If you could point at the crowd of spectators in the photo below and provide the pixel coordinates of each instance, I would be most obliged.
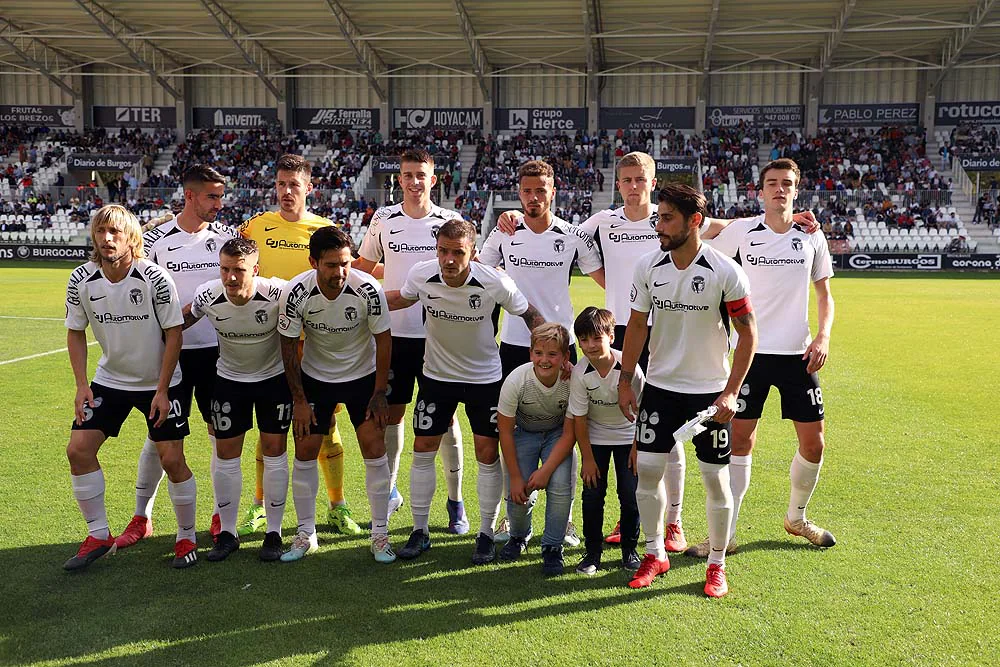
(498, 158)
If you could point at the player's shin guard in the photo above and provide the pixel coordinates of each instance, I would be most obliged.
(305, 486)
(184, 496)
(394, 442)
(804, 476)
(377, 486)
(331, 460)
(739, 482)
(258, 493)
(718, 509)
(674, 482)
(275, 490)
(147, 479)
(88, 489)
(423, 480)
(227, 481)
(489, 486)
(451, 457)
(651, 497)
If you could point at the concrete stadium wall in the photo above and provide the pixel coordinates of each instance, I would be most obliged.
(217, 89)
(878, 82)
(341, 92)
(541, 87)
(756, 84)
(435, 87)
(131, 90)
(28, 89)
(967, 84)
(648, 86)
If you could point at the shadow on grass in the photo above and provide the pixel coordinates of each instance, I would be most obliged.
(133, 608)
(775, 545)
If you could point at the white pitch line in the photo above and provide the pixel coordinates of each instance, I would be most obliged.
(40, 354)
(18, 317)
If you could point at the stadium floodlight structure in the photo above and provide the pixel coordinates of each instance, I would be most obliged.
(146, 55)
(480, 65)
(255, 55)
(961, 38)
(369, 61)
(35, 53)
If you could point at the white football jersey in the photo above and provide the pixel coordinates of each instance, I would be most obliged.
(339, 334)
(399, 242)
(689, 339)
(533, 406)
(128, 319)
(249, 350)
(621, 243)
(540, 264)
(461, 341)
(191, 259)
(596, 398)
(781, 269)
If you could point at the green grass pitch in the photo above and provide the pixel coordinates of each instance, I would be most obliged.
(909, 487)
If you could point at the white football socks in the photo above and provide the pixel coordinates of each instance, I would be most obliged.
(718, 509)
(88, 489)
(423, 482)
(275, 490)
(377, 486)
(489, 486)
(184, 496)
(804, 477)
(394, 442)
(213, 463)
(451, 458)
(227, 482)
(147, 479)
(651, 497)
(674, 483)
(305, 486)
(739, 482)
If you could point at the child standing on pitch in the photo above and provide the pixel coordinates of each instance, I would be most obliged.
(603, 433)
(534, 427)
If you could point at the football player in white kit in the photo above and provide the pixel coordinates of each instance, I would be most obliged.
(696, 292)
(187, 247)
(345, 359)
(132, 307)
(400, 235)
(461, 365)
(782, 260)
(243, 307)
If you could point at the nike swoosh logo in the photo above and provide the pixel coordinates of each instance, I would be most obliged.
(431, 296)
(754, 245)
(313, 312)
(269, 229)
(617, 225)
(221, 505)
(395, 231)
(222, 319)
(528, 402)
(277, 504)
(176, 247)
(802, 507)
(98, 298)
(459, 470)
(592, 388)
(517, 242)
(656, 284)
(180, 424)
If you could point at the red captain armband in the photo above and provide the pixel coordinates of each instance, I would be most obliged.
(740, 307)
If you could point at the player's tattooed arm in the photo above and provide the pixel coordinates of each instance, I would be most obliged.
(532, 317)
(302, 413)
(396, 300)
(746, 327)
(189, 318)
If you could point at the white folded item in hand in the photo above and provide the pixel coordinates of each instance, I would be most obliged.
(694, 426)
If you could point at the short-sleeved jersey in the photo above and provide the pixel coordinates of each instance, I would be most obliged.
(339, 333)
(532, 405)
(461, 343)
(596, 398)
(191, 259)
(249, 350)
(689, 339)
(540, 264)
(284, 246)
(781, 269)
(399, 242)
(128, 319)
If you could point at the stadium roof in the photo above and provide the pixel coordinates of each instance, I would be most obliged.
(491, 39)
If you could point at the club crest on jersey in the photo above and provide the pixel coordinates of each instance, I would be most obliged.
(350, 313)
(653, 219)
(797, 244)
(633, 294)
(261, 316)
(135, 296)
(475, 301)
(698, 284)
(210, 245)
(434, 230)
(558, 245)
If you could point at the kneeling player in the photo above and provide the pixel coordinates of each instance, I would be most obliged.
(533, 425)
(243, 308)
(131, 304)
(345, 359)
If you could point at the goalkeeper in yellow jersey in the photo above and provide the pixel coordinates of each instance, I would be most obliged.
(283, 239)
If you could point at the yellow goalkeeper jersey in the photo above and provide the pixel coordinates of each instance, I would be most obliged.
(284, 246)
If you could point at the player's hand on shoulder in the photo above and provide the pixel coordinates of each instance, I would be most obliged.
(807, 221)
(507, 222)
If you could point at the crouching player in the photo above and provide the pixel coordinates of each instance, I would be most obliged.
(534, 427)
(604, 434)
(243, 308)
